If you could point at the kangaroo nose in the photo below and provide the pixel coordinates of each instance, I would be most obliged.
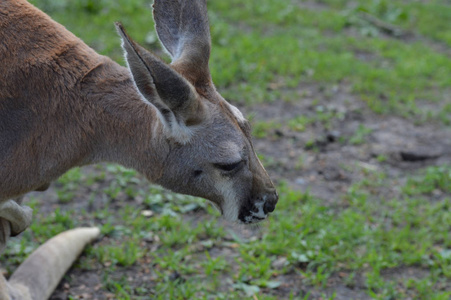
(270, 203)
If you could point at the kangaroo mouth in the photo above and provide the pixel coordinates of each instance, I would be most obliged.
(252, 213)
(248, 213)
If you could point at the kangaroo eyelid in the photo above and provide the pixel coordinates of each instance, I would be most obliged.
(228, 167)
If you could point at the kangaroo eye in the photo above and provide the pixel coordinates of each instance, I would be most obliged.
(229, 167)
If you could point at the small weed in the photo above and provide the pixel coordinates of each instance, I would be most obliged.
(54, 223)
(124, 255)
(68, 184)
(360, 135)
(212, 266)
(300, 162)
(299, 123)
(263, 129)
(435, 178)
(381, 158)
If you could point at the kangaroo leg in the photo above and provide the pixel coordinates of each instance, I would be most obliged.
(19, 216)
(14, 219)
(5, 233)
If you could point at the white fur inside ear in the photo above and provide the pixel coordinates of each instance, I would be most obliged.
(172, 128)
(180, 132)
(237, 113)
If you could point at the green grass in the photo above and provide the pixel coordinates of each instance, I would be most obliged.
(366, 236)
(262, 52)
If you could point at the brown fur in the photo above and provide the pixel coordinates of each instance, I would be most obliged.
(58, 100)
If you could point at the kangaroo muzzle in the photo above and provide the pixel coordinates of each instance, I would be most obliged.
(257, 209)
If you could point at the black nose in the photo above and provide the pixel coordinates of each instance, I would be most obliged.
(270, 203)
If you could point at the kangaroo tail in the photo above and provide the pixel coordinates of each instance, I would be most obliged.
(40, 273)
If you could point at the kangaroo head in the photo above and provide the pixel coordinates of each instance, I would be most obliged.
(210, 152)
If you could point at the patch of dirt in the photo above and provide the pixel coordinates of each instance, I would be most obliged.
(325, 159)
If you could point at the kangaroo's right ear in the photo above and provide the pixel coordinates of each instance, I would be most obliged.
(159, 84)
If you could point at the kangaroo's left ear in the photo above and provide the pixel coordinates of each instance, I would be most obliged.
(173, 96)
(183, 29)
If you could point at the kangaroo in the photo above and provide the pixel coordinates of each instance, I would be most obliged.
(63, 105)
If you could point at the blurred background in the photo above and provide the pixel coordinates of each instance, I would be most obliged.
(350, 103)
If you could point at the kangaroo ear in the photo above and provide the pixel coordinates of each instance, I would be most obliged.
(183, 29)
(159, 84)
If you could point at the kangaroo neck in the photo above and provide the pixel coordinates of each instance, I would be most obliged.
(127, 127)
